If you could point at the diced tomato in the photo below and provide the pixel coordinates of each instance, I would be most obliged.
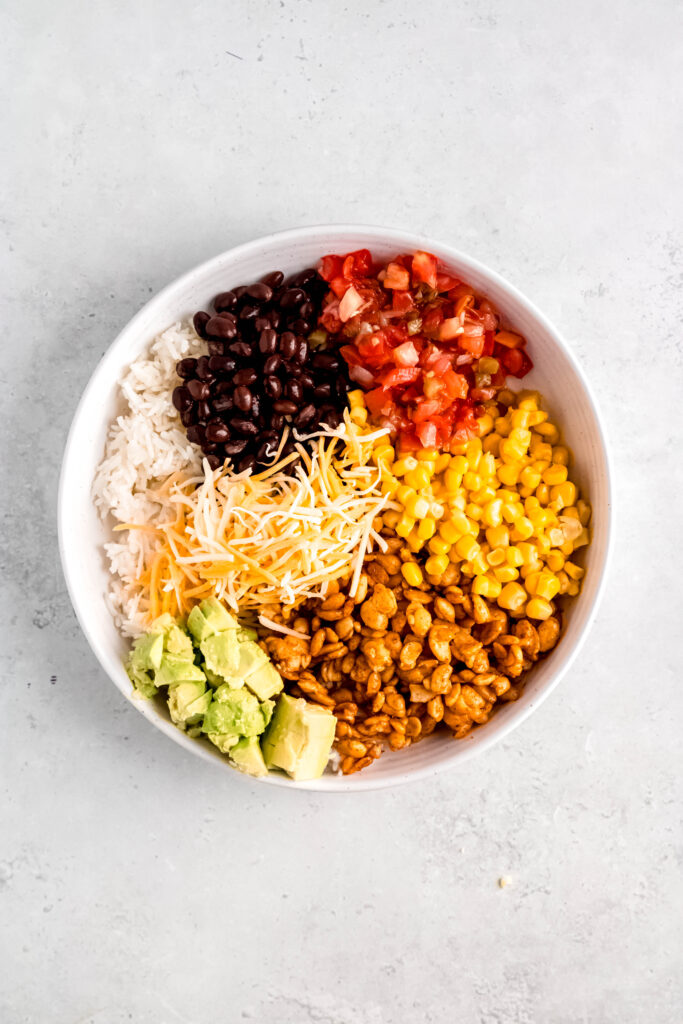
(406, 354)
(351, 304)
(431, 322)
(424, 267)
(402, 302)
(427, 434)
(444, 282)
(397, 277)
(331, 267)
(516, 362)
(399, 375)
(374, 349)
(455, 384)
(426, 409)
(473, 343)
(378, 401)
(450, 328)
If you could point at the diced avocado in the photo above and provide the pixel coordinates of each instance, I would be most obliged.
(147, 652)
(208, 618)
(162, 623)
(188, 702)
(176, 641)
(235, 711)
(231, 659)
(265, 681)
(174, 669)
(142, 681)
(247, 756)
(212, 677)
(244, 633)
(224, 741)
(299, 738)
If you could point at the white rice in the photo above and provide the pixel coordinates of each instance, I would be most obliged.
(144, 446)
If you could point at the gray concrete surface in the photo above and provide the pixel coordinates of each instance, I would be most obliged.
(139, 884)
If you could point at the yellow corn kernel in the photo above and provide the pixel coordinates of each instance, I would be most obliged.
(412, 574)
(555, 560)
(555, 474)
(457, 502)
(467, 547)
(564, 581)
(547, 585)
(574, 571)
(436, 565)
(474, 511)
(573, 589)
(549, 431)
(512, 512)
(502, 425)
(385, 453)
(529, 552)
(514, 557)
(584, 512)
(541, 451)
(508, 473)
(473, 452)
(530, 477)
(426, 528)
(510, 452)
(471, 481)
(520, 436)
(539, 608)
(523, 529)
(459, 464)
(453, 555)
(359, 415)
(528, 400)
(507, 397)
(496, 557)
(492, 514)
(356, 399)
(404, 525)
(460, 522)
(582, 539)
(560, 455)
(531, 581)
(543, 544)
(403, 466)
(419, 478)
(486, 587)
(506, 573)
(479, 564)
(567, 548)
(438, 546)
(452, 480)
(512, 597)
(437, 509)
(519, 419)
(492, 444)
(388, 486)
(405, 493)
(498, 536)
(531, 502)
(414, 542)
(536, 417)
(427, 455)
(485, 423)
(443, 461)
(418, 507)
(449, 532)
(391, 519)
(487, 466)
(543, 494)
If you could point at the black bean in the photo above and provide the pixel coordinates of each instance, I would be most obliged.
(224, 301)
(272, 365)
(300, 326)
(306, 380)
(307, 310)
(209, 447)
(188, 417)
(294, 391)
(195, 434)
(277, 422)
(203, 411)
(275, 317)
(246, 376)
(249, 312)
(248, 462)
(198, 389)
(267, 342)
(256, 408)
(284, 407)
(243, 398)
(274, 279)
(304, 276)
(241, 349)
(186, 368)
(291, 298)
(216, 348)
(243, 426)
(217, 432)
(239, 291)
(214, 461)
(221, 364)
(262, 455)
(203, 369)
(261, 323)
(272, 387)
(235, 447)
(199, 321)
(287, 344)
(223, 403)
(305, 416)
(182, 399)
(325, 361)
(223, 387)
(260, 291)
(221, 327)
(301, 354)
(322, 392)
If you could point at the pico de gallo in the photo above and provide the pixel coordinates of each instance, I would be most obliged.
(425, 348)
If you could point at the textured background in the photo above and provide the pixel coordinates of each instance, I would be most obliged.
(138, 883)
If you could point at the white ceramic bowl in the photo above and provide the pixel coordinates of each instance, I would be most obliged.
(556, 374)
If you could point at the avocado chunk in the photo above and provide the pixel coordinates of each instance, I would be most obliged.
(176, 641)
(299, 738)
(142, 682)
(228, 657)
(188, 702)
(265, 681)
(208, 618)
(247, 757)
(175, 669)
(147, 652)
(236, 711)
(224, 741)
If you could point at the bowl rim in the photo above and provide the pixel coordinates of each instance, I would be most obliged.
(463, 753)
